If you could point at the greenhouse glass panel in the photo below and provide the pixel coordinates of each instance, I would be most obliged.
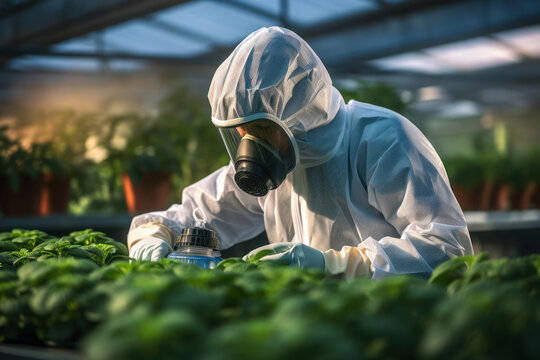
(474, 54)
(525, 40)
(139, 37)
(415, 62)
(224, 23)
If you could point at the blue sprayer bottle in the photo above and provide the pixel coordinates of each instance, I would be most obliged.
(197, 245)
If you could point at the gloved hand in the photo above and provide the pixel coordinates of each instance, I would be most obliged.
(292, 254)
(150, 248)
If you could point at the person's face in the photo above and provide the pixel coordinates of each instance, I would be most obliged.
(268, 132)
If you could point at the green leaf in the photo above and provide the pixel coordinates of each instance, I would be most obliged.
(240, 267)
(449, 271)
(23, 241)
(95, 252)
(228, 262)
(39, 272)
(48, 245)
(77, 252)
(7, 236)
(455, 269)
(261, 254)
(118, 258)
(7, 246)
(49, 299)
(6, 276)
(81, 232)
(7, 259)
(120, 249)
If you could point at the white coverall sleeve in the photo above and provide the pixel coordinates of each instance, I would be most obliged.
(233, 214)
(407, 183)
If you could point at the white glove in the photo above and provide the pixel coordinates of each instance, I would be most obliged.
(150, 248)
(351, 261)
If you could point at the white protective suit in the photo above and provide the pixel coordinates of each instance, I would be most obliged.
(368, 190)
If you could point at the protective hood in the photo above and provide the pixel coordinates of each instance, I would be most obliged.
(273, 74)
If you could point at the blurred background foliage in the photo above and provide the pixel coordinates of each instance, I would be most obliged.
(376, 93)
(94, 149)
(176, 137)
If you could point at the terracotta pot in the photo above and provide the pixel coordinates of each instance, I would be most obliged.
(484, 196)
(502, 197)
(149, 194)
(463, 196)
(25, 201)
(524, 198)
(477, 198)
(55, 195)
(536, 197)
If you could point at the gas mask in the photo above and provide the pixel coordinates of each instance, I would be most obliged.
(262, 155)
(259, 167)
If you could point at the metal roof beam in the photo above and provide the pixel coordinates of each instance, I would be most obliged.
(50, 21)
(431, 25)
(347, 43)
(8, 8)
(178, 30)
(251, 8)
(109, 55)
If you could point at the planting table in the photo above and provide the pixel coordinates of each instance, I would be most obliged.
(505, 233)
(26, 352)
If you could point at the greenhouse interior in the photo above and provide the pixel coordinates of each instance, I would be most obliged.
(131, 227)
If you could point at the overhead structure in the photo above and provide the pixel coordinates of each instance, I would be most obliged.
(42, 23)
(442, 39)
(374, 30)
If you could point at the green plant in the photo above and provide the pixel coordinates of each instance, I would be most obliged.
(71, 138)
(376, 93)
(179, 139)
(150, 145)
(67, 131)
(529, 164)
(17, 161)
(20, 247)
(473, 170)
(202, 147)
(514, 170)
(504, 170)
(465, 171)
(472, 307)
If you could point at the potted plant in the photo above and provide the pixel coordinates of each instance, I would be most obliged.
(534, 173)
(23, 173)
(505, 177)
(377, 93)
(200, 144)
(62, 134)
(173, 148)
(143, 151)
(56, 181)
(527, 195)
(71, 131)
(469, 180)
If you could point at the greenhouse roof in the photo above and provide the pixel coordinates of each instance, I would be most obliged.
(495, 41)
(388, 35)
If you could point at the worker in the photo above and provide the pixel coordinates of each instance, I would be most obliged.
(352, 189)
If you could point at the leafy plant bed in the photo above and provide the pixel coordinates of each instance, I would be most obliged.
(471, 308)
(20, 247)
